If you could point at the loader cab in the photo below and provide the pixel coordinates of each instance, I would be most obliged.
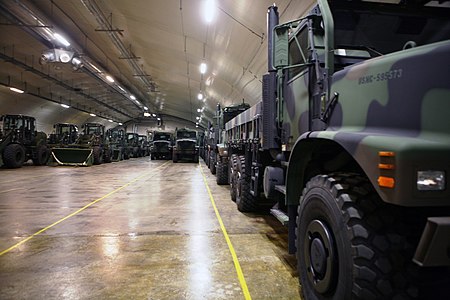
(23, 127)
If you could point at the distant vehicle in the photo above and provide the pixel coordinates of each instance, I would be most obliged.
(161, 146)
(118, 143)
(63, 134)
(134, 148)
(145, 147)
(185, 147)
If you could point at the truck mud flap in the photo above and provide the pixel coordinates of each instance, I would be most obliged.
(434, 245)
(72, 156)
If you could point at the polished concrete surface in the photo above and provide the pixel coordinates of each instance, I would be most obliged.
(136, 229)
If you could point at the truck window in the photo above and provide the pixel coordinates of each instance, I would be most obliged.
(298, 52)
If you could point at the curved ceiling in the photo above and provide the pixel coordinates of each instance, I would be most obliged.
(151, 49)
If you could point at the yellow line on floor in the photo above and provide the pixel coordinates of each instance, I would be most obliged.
(78, 211)
(237, 265)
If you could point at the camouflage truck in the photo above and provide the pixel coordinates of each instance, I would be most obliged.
(185, 146)
(351, 143)
(161, 146)
(217, 150)
(20, 141)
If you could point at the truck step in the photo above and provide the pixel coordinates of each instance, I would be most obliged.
(281, 189)
(280, 215)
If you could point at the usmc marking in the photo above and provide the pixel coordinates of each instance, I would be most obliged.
(388, 75)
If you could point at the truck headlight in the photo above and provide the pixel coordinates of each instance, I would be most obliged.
(430, 180)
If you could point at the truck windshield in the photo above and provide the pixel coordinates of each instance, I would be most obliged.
(388, 27)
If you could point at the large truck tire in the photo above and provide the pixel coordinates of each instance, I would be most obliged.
(232, 171)
(41, 156)
(351, 245)
(244, 199)
(212, 162)
(107, 157)
(222, 173)
(14, 156)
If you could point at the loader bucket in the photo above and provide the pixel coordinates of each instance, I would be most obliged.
(72, 156)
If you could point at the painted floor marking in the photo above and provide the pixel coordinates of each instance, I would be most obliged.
(79, 210)
(237, 265)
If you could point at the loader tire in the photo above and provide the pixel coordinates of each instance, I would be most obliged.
(41, 156)
(212, 163)
(98, 157)
(222, 173)
(14, 156)
(244, 199)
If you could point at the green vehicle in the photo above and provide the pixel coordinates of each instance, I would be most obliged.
(20, 142)
(134, 147)
(63, 134)
(118, 143)
(91, 147)
(185, 147)
(351, 144)
(161, 146)
(217, 150)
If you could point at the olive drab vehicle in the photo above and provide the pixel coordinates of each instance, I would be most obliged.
(20, 142)
(145, 147)
(91, 147)
(351, 142)
(185, 146)
(134, 147)
(117, 143)
(63, 134)
(161, 146)
(217, 150)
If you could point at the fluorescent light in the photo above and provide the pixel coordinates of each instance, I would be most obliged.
(200, 96)
(120, 123)
(146, 114)
(61, 39)
(209, 10)
(199, 110)
(16, 90)
(153, 115)
(159, 119)
(203, 68)
(65, 105)
(109, 78)
(132, 97)
(110, 120)
(92, 115)
(145, 108)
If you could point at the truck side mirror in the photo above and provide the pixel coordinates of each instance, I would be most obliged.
(280, 47)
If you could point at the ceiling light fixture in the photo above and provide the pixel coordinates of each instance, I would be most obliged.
(209, 10)
(199, 110)
(145, 108)
(203, 68)
(146, 114)
(109, 78)
(16, 90)
(64, 105)
(61, 39)
(153, 115)
(120, 124)
(200, 96)
(132, 97)
(92, 115)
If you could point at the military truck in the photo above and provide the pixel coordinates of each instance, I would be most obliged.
(185, 146)
(20, 142)
(161, 146)
(217, 150)
(91, 147)
(351, 143)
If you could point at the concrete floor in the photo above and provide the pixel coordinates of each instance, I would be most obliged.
(136, 229)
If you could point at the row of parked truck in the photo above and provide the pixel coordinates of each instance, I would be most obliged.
(67, 145)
